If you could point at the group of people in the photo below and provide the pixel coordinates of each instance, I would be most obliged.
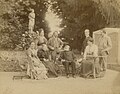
(95, 56)
(44, 56)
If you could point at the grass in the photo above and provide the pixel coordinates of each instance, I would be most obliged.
(10, 61)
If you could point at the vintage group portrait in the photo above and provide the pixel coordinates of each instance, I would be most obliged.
(59, 46)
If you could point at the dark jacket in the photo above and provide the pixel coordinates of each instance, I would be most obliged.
(68, 56)
(85, 44)
(43, 54)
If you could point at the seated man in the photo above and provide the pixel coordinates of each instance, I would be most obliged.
(55, 45)
(68, 57)
(44, 56)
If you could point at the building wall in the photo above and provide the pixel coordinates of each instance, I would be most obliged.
(119, 48)
(113, 56)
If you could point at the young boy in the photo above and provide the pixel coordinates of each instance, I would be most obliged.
(68, 57)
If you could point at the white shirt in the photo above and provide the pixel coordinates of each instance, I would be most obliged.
(91, 50)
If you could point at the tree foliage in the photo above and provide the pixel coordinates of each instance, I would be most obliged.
(16, 19)
(77, 16)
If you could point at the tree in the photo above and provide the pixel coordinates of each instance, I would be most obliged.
(79, 15)
(76, 15)
(17, 21)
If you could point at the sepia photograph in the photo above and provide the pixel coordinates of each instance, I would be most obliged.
(59, 46)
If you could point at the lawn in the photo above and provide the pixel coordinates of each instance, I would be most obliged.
(10, 61)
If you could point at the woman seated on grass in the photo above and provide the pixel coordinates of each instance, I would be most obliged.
(90, 60)
(36, 69)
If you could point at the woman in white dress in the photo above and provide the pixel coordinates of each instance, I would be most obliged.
(90, 60)
(36, 69)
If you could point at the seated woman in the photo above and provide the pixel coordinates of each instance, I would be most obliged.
(44, 56)
(36, 69)
(41, 38)
(90, 60)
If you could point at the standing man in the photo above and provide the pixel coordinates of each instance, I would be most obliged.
(87, 37)
(104, 45)
(55, 45)
(31, 21)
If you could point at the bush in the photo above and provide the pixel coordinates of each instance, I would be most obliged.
(9, 66)
(11, 61)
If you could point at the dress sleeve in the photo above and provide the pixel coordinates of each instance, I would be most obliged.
(85, 52)
(28, 52)
(49, 42)
(45, 40)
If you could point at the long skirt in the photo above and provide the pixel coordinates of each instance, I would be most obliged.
(88, 65)
(36, 69)
(52, 69)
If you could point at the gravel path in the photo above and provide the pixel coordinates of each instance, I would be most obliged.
(110, 84)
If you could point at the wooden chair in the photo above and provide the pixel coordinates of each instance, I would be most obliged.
(94, 67)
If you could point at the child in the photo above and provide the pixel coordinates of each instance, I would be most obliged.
(69, 58)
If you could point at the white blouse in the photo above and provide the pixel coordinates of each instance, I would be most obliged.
(91, 50)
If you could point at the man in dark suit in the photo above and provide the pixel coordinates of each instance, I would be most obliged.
(87, 37)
